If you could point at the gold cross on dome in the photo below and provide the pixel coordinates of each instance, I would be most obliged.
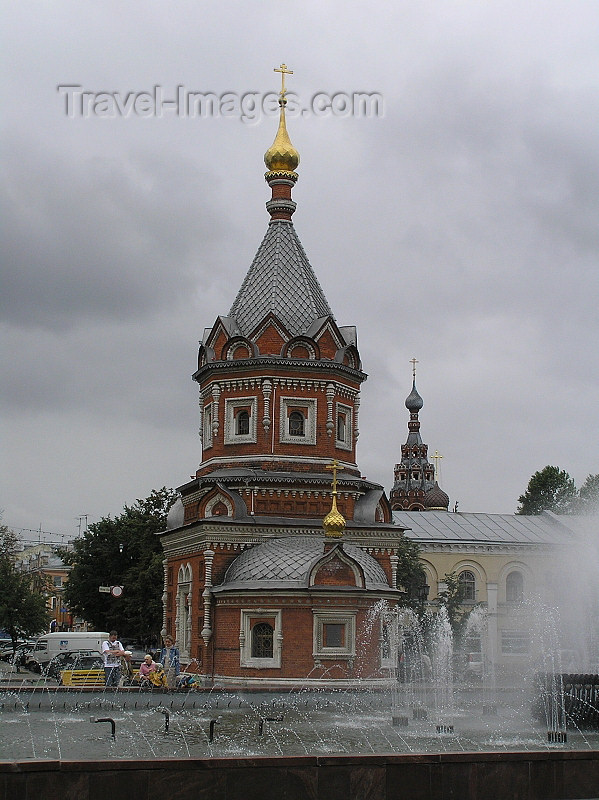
(334, 465)
(413, 362)
(436, 458)
(284, 71)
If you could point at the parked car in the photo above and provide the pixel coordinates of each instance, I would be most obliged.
(22, 654)
(73, 659)
(23, 648)
(50, 645)
(6, 651)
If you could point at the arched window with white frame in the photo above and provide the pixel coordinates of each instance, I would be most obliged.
(514, 587)
(183, 619)
(467, 583)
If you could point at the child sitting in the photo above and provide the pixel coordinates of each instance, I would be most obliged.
(151, 673)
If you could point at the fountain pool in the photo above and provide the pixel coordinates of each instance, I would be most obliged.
(61, 724)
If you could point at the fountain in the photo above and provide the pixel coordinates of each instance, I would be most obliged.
(424, 710)
(540, 724)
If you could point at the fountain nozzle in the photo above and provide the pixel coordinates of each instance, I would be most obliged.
(106, 719)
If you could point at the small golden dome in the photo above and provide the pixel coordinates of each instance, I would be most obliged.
(334, 522)
(281, 155)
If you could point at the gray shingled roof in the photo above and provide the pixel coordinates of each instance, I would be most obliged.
(280, 280)
(443, 526)
(286, 563)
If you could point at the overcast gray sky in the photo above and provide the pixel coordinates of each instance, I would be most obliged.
(460, 228)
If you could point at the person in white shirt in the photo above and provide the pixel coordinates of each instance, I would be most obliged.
(112, 650)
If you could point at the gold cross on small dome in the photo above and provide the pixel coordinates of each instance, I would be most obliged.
(334, 466)
(436, 458)
(334, 522)
(284, 71)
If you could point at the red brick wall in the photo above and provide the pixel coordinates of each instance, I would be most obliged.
(222, 656)
(335, 573)
(328, 346)
(325, 446)
(297, 660)
(270, 341)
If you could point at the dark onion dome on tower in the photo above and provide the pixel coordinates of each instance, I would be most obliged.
(436, 499)
(413, 401)
(414, 476)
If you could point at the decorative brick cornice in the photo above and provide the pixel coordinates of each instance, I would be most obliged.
(234, 536)
(263, 475)
(291, 365)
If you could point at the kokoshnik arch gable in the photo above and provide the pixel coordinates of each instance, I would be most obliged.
(253, 590)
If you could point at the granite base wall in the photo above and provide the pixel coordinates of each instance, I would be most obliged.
(548, 775)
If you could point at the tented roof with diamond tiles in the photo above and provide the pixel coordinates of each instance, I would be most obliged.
(280, 280)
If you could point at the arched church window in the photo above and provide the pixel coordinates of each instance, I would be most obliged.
(514, 587)
(262, 640)
(296, 423)
(341, 428)
(468, 584)
(242, 423)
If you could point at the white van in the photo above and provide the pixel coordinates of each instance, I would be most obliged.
(51, 644)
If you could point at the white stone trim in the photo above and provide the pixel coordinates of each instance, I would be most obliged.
(305, 343)
(215, 401)
(271, 321)
(347, 443)
(266, 393)
(218, 498)
(245, 638)
(310, 404)
(322, 618)
(234, 347)
(268, 456)
(345, 559)
(206, 595)
(356, 412)
(184, 605)
(206, 425)
(231, 404)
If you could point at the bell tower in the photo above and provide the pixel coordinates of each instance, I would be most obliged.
(279, 381)
(415, 487)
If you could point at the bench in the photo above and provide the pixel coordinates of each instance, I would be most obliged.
(82, 677)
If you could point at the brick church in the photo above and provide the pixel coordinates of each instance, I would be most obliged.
(278, 549)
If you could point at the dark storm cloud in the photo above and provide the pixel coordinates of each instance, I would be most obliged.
(113, 236)
(459, 228)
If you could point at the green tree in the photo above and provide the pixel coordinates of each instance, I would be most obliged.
(23, 611)
(551, 489)
(122, 551)
(451, 598)
(411, 575)
(588, 498)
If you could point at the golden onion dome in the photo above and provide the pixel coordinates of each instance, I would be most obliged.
(334, 522)
(281, 155)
